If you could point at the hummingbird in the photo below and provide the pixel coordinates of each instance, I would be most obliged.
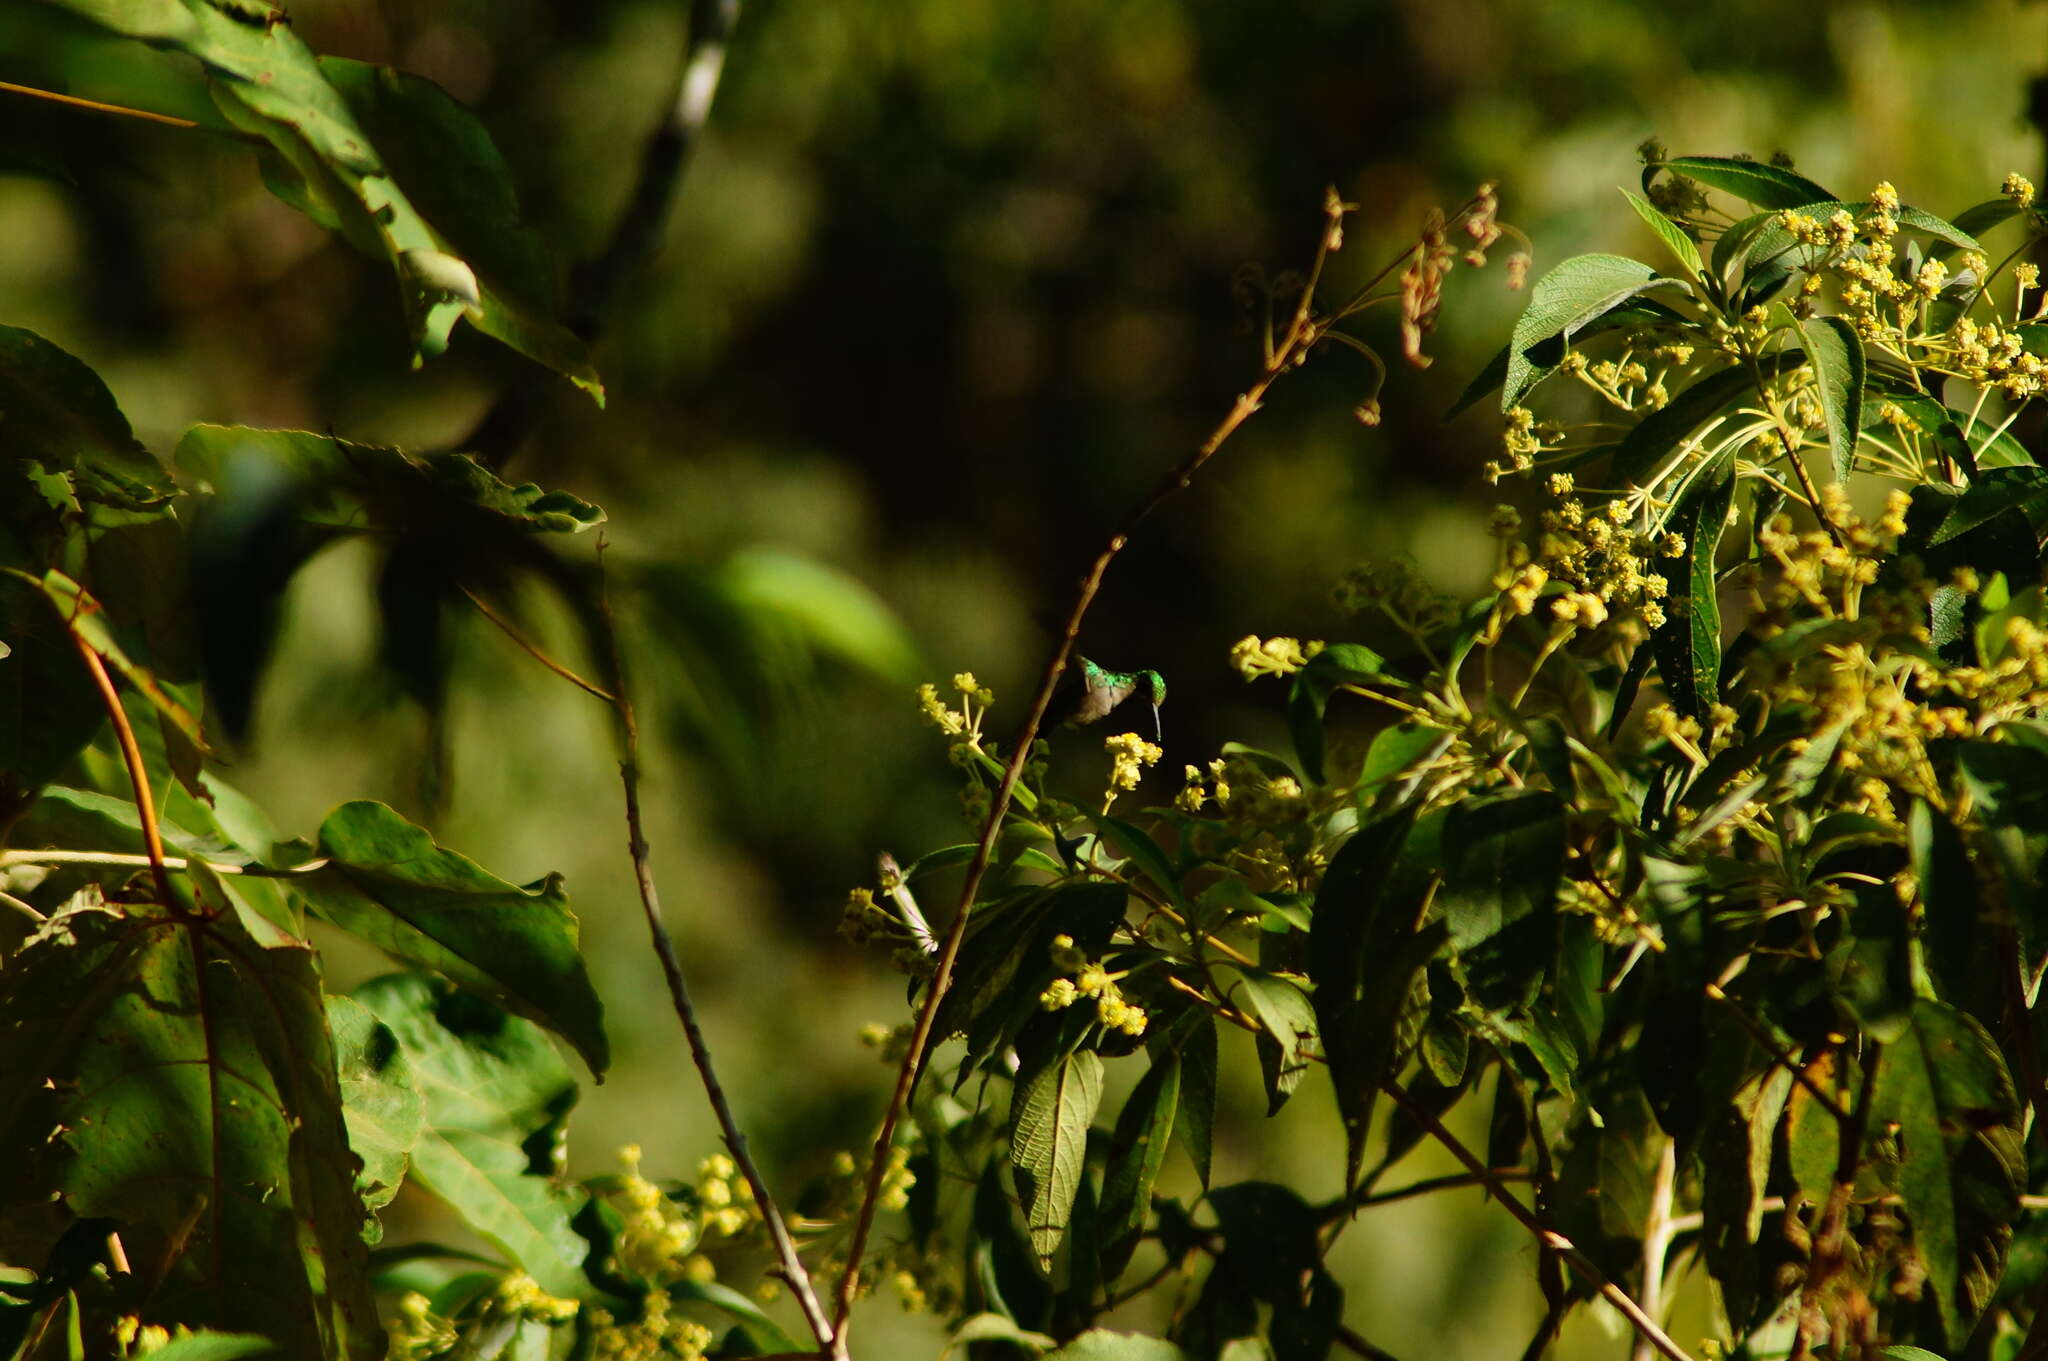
(1089, 692)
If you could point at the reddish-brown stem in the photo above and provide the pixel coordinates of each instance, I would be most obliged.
(138, 774)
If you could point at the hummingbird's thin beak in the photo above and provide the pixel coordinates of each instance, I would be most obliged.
(1158, 733)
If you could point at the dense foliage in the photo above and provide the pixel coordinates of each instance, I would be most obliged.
(1703, 854)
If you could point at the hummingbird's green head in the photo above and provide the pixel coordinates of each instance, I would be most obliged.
(1155, 690)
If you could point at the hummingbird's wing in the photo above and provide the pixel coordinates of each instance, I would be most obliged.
(1090, 693)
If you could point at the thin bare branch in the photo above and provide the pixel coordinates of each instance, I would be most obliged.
(791, 1267)
(95, 106)
(533, 649)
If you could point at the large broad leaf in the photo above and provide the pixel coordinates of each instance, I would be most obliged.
(1137, 1151)
(388, 160)
(189, 1073)
(388, 882)
(1962, 1165)
(496, 1094)
(1501, 856)
(367, 486)
(63, 423)
(1836, 353)
(1050, 1113)
(1688, 645)
(1363, 954)
(382, 1106)
(1571, 296)
(1767, 186)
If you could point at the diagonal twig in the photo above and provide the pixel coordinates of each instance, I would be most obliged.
(790, 1264)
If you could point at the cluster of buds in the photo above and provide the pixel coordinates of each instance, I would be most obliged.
(1129, 755)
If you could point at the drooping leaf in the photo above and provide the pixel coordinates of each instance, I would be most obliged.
(1767, 186)
(62, 422)
(1688, 644)
(1961, 1165)
(1542, 358)
(388, 160)
(1050, 1114)
(496, 1094)
(1197, 1105)
(388, 882)
(1137, 1151)
(1836, 353)
(382, 1106)
(190, 1071)
(1364, 952)
(1735, 1160)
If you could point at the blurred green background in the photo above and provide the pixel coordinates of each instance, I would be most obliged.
(949, 283)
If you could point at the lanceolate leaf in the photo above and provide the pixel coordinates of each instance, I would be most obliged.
(1051, 1110)
(1659, 435)
(1669, 232)
(1568, 298)
(1197, 1104)
(1767, 186)
(388, 882)
(1364, 952)
(1961, 1166)
(496, 1095)
(1287, 1044)
(1688, 645)
(1137, 1151)
(1836, 353)
(191, 1073)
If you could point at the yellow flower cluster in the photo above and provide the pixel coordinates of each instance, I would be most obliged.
(1193, 796)
(1129, 754)
(1992, 356)
(655, 1334)
(1606, 563)
(1254, 657)
(1090, 980)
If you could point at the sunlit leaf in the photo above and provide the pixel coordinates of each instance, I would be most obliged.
(1049, 1118)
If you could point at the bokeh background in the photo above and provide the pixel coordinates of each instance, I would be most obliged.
(949, 283)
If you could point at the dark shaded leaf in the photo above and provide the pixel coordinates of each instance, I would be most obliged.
(1288, 1039)
(1767, 186)
(1501, 855)
(1836, 353)
(1688, 644)
(1137, 1150)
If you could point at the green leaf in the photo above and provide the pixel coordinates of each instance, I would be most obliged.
(1735, 1160)
(389, 883)
(1990, 493)
(1287, 1045)
(189, 1071)
(1836, 353)
(1543, 358)
(383, 1109)
(2009, 785)
(388, 160)
(214, 1347)
(1328, 671)
(1908, 1354)
(1364, 954)
(723, 1297)
(830, 610)
(1144, 852)
(1054, 1104)
(1767, 186)
(1103, 1344)
(347, 485)
(496, 1095)
(1670, 233)
(445, 160)
(1688, 645)
(1564, 301)
(1501, 856)
(62, 421)
(1197, 1104)
(1962, 1165)
(1137, 1150)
